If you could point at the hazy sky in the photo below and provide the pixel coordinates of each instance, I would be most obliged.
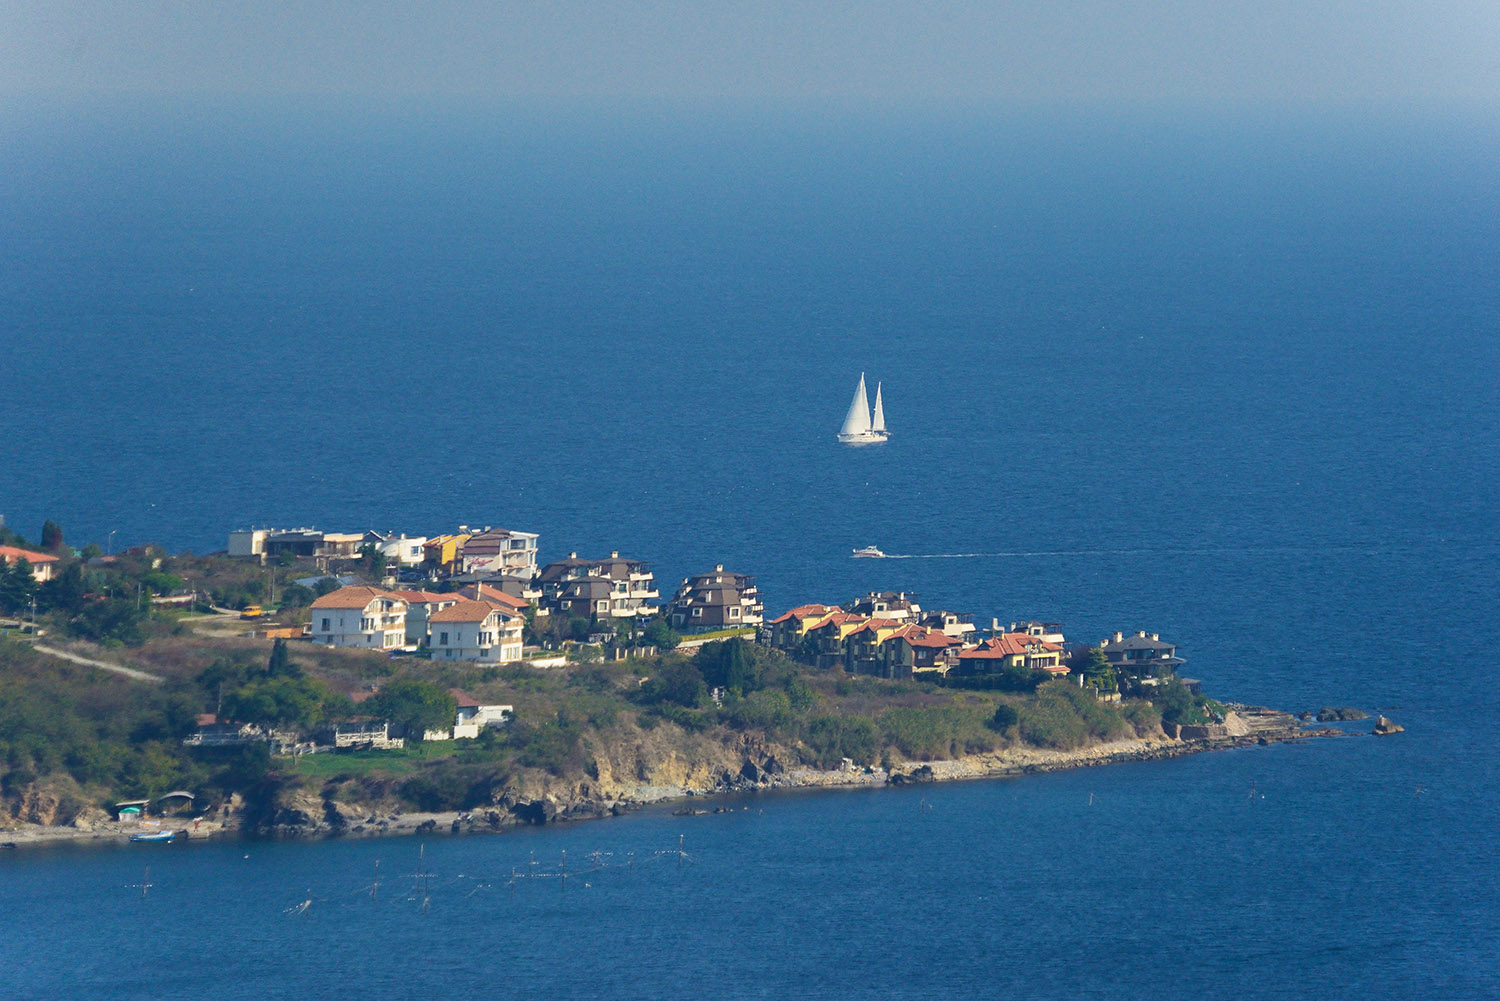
(1316, 51)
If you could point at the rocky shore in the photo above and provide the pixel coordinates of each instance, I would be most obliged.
(303, 814)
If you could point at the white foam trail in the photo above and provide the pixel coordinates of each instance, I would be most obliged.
(1152, 551)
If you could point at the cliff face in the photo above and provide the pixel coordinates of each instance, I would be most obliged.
(54, 801)
(620, 770)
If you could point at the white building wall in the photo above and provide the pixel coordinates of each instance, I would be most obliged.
(247, 542)
(346, 627)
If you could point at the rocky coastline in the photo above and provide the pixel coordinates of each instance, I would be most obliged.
(303, 815)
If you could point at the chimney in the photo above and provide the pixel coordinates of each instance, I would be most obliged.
(994, 625)
(614, 554)
(1156, 637)
(718, 568)
(572, 556)
(1140, 634)
(1119, 637)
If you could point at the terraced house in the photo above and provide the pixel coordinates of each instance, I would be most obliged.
(718, 600)
(615, 587)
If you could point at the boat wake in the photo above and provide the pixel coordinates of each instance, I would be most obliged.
(1149, 551)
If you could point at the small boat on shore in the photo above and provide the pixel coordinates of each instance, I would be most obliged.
(154, 836)
(869, 553)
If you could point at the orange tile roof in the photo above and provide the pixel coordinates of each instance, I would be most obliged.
(495, 596)
(805, 612)
(355, 596)
(423, 597)
(467, 610)
(923, 636)
(8, 553)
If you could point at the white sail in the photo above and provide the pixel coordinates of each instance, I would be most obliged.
(878, 424)
(858, 421)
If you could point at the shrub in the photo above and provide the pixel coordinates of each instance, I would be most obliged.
(1143, 717)
(1064, 716)
(766, 709)
(1005, 717)
(830, 739)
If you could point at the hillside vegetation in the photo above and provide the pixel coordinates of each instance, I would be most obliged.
(74, 740)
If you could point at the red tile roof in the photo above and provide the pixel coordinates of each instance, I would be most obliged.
(355, 596)
(922, 636)
(805, 612)
(423, 597)
(495, 596)
(8, 553)
(467, 610)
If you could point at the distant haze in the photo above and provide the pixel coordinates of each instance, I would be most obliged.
(1335, 52)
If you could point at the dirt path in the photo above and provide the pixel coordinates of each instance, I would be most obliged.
(102, 665)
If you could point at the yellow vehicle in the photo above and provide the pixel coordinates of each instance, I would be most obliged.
(253, 612)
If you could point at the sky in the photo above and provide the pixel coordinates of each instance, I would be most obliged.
(1329, 52)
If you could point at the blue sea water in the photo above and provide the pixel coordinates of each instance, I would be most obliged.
(1227, 378)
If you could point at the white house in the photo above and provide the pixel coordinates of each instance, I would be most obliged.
(475, 630)
(419, 608)
(472, 716)
(399, 550)
(499, 550)
(359, 616)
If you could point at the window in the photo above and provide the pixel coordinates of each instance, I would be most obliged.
(326, 627)
(734, 611)
(697, 613)
(442, 639)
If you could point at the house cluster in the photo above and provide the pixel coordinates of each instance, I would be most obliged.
(489, 579)
(888, 635)
(349, 733)
(497, 580)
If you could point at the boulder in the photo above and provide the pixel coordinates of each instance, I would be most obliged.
(1385, 727)
(772, 766)
(537, 811)
(751, 771)
(1330, 715)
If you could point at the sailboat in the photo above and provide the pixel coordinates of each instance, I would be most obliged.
(860, 426)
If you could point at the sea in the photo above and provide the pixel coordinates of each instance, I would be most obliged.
(1228, 375)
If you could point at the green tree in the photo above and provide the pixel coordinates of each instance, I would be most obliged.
(63, 593)
(281, 702)
(1098, 673)
(1005, 717)
(297, 596)
(52, 537)
(659, 633)
(372, 561)
(1177, 703)
(280, 664)
(677, 681)
(728, 664)
(16, 585)
(414, 707)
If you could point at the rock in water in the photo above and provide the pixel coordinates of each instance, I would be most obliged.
(1384, 727)
(1330, 715)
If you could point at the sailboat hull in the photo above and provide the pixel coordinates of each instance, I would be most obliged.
(864, 438)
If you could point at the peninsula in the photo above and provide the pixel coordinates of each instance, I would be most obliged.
(360, 683)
